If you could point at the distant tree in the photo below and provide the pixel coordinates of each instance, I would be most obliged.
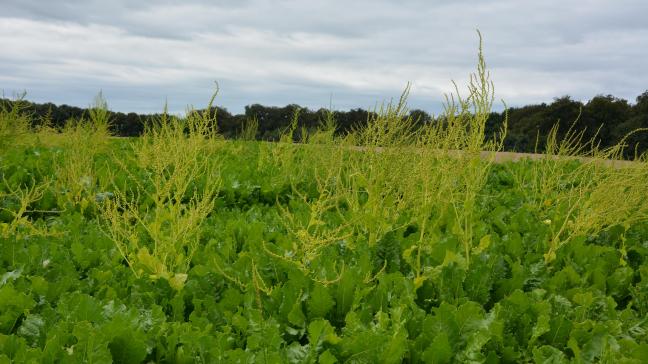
(604, 114)
(528, 125)
(562, 110)
(641, 106)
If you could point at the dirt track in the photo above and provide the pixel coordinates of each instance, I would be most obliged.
(501, 157)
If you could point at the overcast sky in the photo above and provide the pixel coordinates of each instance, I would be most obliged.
(355, 53)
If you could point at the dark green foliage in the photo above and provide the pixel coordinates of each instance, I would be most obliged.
(605, 118)
(71, 298)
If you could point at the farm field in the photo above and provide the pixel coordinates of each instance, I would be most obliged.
(181, 247)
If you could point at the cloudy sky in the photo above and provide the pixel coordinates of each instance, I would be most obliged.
(353, 53)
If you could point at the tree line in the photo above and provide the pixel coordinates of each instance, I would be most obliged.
(605, 119)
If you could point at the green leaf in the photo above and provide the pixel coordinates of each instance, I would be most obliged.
(153, 265)
(484, 243)
(297, 353)
(481, 331)
(127, 341)
(549, 355)
(177, 281)
(32, 328)
(619, 282)
(320, 301)
(10, 276)
(14, 349)
(345, 292)
(127, 348)
(327, 358)
(320, 331)
(469, 317)
(13, 304)
(440, 351)
(80, 307)
(81, 255)
(91, 346)
(444, 321)
(396, 347)
(541, 327)
(296, 315)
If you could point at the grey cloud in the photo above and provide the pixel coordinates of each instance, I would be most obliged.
(280, 52)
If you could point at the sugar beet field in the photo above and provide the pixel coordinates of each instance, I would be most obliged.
(391, 244)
